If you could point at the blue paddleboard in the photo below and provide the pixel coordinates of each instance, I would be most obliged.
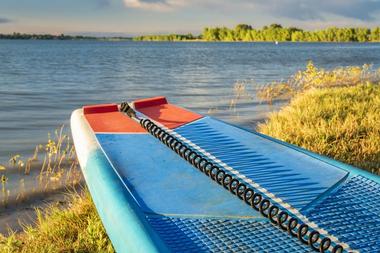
(165, 179)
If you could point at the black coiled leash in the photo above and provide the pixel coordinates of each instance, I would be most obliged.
(278, 217)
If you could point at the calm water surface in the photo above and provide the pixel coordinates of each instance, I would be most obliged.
(41, 82)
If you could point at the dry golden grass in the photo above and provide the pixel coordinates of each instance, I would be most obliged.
(340, 122)
(313, 77)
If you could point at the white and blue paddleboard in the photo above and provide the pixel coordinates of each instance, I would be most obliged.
(165, 179)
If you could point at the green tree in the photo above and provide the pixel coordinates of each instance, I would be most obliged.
(241, 31)
(375, 34)
(274, 26)
(297, 36)
(362, 34)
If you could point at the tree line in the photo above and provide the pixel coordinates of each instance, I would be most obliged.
(275, 32)
(168, 37)
(24, 36)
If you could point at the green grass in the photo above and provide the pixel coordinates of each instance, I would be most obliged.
(341, 123)
(76, 229)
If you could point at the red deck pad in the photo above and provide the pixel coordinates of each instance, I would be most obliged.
(105, 119)
(169, 115)
(147, 102)
(100, 108)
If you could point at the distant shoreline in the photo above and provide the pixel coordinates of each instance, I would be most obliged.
(24, 36)
(193, 41)
(241, 33)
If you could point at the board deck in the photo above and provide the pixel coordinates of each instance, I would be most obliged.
(150, 199)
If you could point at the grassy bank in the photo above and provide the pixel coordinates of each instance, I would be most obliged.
(341, 123)
(331, 112)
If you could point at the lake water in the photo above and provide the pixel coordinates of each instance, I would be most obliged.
(41, 82)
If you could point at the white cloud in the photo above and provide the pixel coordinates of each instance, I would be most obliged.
(156, 5)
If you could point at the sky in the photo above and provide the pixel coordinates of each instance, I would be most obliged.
(136, 17)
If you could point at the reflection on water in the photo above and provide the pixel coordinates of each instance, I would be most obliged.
(41, 82)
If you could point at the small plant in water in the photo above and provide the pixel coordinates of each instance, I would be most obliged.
(240, 92)
(4, 191)
(14, 159)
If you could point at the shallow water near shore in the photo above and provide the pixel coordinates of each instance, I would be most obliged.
(41, 82)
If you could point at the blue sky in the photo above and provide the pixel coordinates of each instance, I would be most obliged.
(132, 17)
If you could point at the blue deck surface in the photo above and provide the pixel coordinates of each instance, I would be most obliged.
(293, 176)
(163, 183)
(223, 235)
(352, 213)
